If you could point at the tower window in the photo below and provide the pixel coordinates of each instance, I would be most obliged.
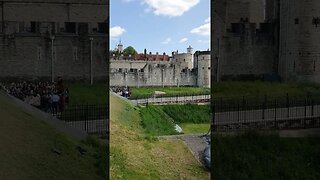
(70, 27)
(34, 27)
(316, 21)
(296, 21)
(83, 28)
(103, 28)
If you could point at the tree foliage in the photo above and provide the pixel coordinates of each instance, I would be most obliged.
(129, 51)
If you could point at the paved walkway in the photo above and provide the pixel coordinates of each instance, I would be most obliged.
(173, 100)
(281, 118)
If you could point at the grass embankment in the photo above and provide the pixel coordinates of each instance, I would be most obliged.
(253, 156)
(136, 155)
(160, 120)
(28, 147)
(81, 93)
(145, 92)
(233, 89)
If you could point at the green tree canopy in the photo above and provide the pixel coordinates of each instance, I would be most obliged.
(129, 51)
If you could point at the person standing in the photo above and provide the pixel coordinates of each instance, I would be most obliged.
(55, 103)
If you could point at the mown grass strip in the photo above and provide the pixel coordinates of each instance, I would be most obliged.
(145, 92)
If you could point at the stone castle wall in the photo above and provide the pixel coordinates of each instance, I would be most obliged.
(300, 39)
(243, 44)
(26, 28)
(140, 73)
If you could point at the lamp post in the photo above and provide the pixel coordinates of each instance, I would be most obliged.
(91, 66)
(162, 78)
(138, 77)
(125, 76)
(52, 59)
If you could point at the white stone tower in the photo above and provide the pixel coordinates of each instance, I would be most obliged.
(203, 68)
(120, 47)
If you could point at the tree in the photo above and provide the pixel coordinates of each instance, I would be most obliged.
(129, 51)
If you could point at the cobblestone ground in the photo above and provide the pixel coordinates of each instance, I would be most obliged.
(195, 143)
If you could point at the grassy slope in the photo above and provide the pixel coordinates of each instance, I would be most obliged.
(148, 91)
(156, 122)
(81, 93)
(133, 155)
(252, 156)
(193, 119)
(26, 150)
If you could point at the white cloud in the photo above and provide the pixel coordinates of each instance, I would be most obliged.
(166, 41)
(203, 30)
(203, 41)
(207, 20)
(171, 8)
(116, 31)
(183, 40)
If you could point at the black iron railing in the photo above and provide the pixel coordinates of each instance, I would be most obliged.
(268, 113)
(91, 118)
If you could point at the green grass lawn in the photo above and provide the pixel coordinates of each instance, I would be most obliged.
(191, 128)
(170, 91)
(81, 93)
(28, 147)
(134, 154)
(253, 156)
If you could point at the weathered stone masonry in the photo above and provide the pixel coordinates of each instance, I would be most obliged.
(28, 28)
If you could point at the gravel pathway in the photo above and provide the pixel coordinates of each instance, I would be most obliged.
(195, 143)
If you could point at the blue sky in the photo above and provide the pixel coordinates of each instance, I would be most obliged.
(160, 25)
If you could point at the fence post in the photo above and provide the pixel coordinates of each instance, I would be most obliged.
(288, 109)
(86, 119)
(312, 107)
(275, 113)
(244, 109)
(239, 113)
(305, 112)
(263, 109)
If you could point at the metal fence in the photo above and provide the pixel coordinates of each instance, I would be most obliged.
(176, 99)
(269, 113)
(91, 118)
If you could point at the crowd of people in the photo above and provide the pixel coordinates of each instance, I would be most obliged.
(47, 96)
(122, 90)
